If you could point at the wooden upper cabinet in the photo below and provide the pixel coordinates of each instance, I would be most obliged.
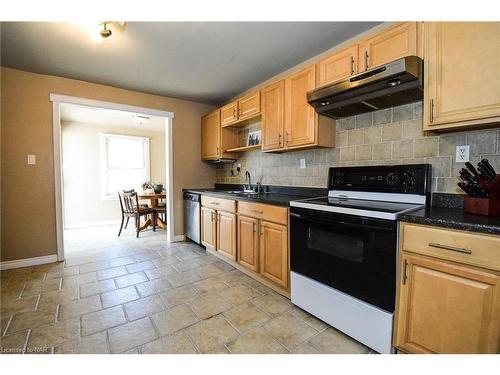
(273, 111)
(229, 113)
(274, 252)
(462, 74)
(391, 44)
(446, 308)
(300, 117)
(210, 136)
(226, 234)
(338, 66)
(208, 227)
(249, 105)
(248, 242)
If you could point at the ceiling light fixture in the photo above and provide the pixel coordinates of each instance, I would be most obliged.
(105, 32)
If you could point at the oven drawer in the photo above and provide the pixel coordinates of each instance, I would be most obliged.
(481, 250)
(218, 203)
(264, 211)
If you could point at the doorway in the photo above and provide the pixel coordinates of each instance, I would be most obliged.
(109, 147)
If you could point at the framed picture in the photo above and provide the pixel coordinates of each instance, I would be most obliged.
(253, 138)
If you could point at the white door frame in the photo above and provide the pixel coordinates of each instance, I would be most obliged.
(57, 100)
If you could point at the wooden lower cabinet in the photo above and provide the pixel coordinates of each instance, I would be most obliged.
(446, 307)
(273, 246)
(248, 242)
(208, 227)
(226, 234)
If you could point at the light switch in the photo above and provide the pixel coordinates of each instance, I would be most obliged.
(462, 154)
(302, 163)
(31, 159)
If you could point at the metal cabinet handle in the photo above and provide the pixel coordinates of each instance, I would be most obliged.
(431, 111)
(254, 227)
(261, 230)
(366, 60)
(352, 65)
(215, 203)
(258, 212)
(234, 113)
(451, 248)
(405, 268)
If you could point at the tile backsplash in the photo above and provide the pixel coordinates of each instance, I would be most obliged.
(389, 136)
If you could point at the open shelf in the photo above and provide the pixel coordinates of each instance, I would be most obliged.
(244, 148)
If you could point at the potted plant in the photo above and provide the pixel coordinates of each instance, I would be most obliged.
(147, 187)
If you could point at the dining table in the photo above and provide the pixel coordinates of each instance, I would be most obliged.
(154, 199)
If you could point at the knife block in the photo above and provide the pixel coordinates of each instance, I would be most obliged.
(485, 206)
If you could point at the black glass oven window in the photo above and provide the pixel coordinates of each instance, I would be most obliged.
(341, 245)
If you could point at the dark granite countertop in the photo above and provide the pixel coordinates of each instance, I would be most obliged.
(275, 196)
(453, 218)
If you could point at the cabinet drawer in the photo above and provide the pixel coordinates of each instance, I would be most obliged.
(218, 203)
(264, 211)
(481, 250)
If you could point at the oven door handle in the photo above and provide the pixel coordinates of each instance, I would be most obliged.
(344, 223)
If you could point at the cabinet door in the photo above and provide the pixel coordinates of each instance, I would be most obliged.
(273, 102)
(338, 66)
(249, 105)
(300, 117)
(229, 113)
(392, 44)
(446, 308)
(208, 227)
(210, 136)
(274, 252)
(462, 74)
(248, 242)
(226, 234)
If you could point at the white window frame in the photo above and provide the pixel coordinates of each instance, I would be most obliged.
(104, 162)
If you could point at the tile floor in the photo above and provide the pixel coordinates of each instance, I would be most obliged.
(128, 295)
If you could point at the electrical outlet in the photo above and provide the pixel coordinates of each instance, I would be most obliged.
(302, 163)
(31, 159)
(462, 154)
(238, 168)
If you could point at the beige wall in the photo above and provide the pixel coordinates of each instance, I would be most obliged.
(28, 207)
(82, 181)
(389, 136)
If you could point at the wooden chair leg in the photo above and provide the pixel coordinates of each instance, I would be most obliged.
(126, 222)
(137, 226)
(154, 221)
(121, 226)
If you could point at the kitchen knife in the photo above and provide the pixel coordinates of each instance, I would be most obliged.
(483, 172)
(466, 176)
(466, 188)
(488, 167)
(471, 168)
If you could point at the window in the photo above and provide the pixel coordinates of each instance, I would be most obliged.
(125, 163)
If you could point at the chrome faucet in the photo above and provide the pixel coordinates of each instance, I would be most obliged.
(248, 184)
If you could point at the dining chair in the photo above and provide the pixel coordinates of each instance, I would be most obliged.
(143, 205)
(129, 203)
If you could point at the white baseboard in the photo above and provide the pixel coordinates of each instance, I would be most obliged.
(92, 224)
(7, 265)
(179, 238)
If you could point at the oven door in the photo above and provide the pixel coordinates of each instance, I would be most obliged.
(353, 254)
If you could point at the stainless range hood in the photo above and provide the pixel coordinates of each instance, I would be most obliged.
(396, 83)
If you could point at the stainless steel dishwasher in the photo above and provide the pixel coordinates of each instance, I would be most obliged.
(192, 216)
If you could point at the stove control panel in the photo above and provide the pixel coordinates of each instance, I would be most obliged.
(408, 179)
